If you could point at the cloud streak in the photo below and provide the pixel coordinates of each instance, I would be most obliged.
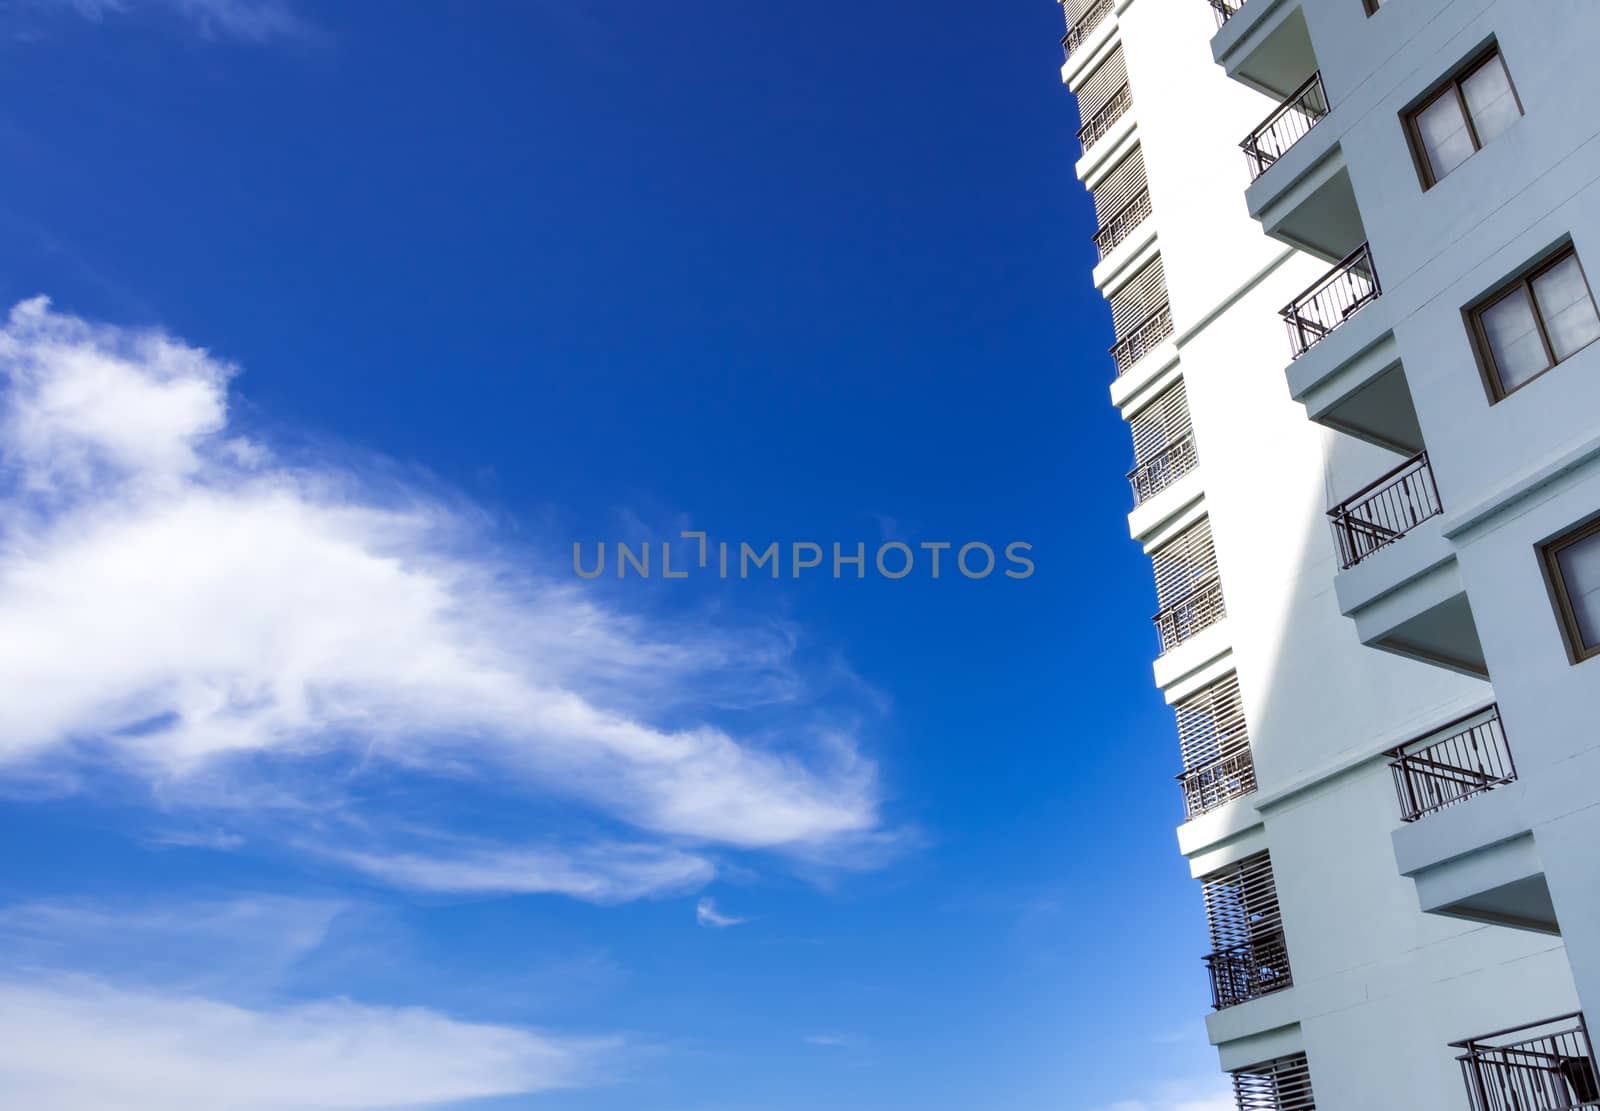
(707, 914)
(606, 873)
(152, 1051)
(253, 21)
(189, 608)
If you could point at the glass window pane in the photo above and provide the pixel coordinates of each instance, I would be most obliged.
(1514, 341)
(1580, 572)
(1443, 129)
(1567, 307)
(1490, 99)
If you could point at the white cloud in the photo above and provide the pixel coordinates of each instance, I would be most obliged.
(184, 605)
(246, 20)
(1208, 1094)
(832, 1041)
(69, 1043)
(598, 873)
(706, 914)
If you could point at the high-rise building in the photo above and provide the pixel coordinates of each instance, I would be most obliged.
(1344, 243)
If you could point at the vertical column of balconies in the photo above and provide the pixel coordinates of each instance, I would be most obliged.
(1249, 956)
(1543, 1066)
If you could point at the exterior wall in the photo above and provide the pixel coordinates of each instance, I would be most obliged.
(1514, 474)
(1380, 988)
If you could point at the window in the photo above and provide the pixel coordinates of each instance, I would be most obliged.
(1573, 566)
(1373, 6)
(1541, 319)
(1456, 122)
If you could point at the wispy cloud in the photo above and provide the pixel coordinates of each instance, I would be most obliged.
(177, 1002)
(1207, 1094)
(256, 21)
(238, 630)
(152, 1051)
(598, 873)
(832, 1041)
(706, 913)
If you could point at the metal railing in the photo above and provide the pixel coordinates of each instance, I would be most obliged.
(1288, 124)
(1385, 511)
(1222, 780)
(1122, 223)
(1249, 971)
(1080, 30)
(1454, 762)
(1225, 9)
(1164, 468)
(1139, 342)
(1196, 611)
(1549, 1066)
(1095, 128)
(1335, 297)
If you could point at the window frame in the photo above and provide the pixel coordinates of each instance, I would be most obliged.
(1453, 83)
(1488, 367)
(1560, 593)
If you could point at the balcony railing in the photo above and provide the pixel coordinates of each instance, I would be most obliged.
(1222, 780)
(1385, 511)
(1249, 971)
(1290, 123)
(1122, 223)
(1196, 611)
(1549, 1066)
(1337, 296)
(1143, 339)
(1225, 9)
(1164, 468)
(1080, 30)
(1095, 128)
(1454, 762)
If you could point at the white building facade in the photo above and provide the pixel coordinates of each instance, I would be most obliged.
(1379, 627)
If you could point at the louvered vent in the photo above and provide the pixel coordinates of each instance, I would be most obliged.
(1163, 443)
(1281, 1085)
(1103, 98)
(1140, 314)
(1100, 88)
(1121, 202)
(1249, 955)
(1136, 301)
(1187, 586)
(1217, 762)
(1120, 186)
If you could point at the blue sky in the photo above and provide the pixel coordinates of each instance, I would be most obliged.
(329, 783)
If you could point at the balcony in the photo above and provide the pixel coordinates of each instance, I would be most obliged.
(1122, 223)
(1225, 9)
(1190, 615)
(1163, 469)
(1454, 762)
(1081, 30)
(1291, 122)
(1221, 781)
(1097, 125)
(1385, 511)
(1280, 1085)
(1249, 971)
(1144, 338)
(1345, 290)
(1549, 1066)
